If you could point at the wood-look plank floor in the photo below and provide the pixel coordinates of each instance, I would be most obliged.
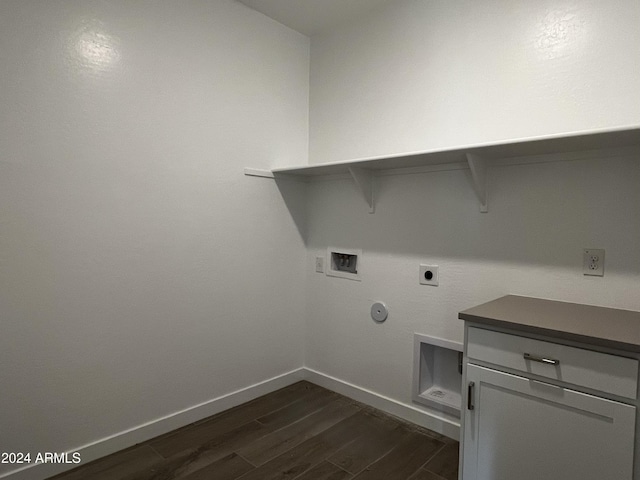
(302, 432)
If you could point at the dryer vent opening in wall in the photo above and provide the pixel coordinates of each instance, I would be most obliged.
(344, 263)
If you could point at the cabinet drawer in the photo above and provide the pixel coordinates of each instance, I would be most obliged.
(585, 368)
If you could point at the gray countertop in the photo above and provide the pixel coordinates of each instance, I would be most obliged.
(606, 327)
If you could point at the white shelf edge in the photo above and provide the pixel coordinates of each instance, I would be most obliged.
(476, 156)
(257, 172)
(535, 145)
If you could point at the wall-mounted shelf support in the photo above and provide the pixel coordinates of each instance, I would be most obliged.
(475, 156)
(478, 167)
(363, 178)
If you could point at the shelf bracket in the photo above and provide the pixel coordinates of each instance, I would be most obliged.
(363, 178)
(478, 167)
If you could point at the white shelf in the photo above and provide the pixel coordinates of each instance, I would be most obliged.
(475, 156)
(572, 142)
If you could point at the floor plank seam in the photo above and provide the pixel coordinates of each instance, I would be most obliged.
(319, 408)
(246, 460)
(311, 467)
(436, 453)
(295, 421)
(338, 466)
(301, 440)
(406, 423)
(155, 451)
(438, 477)
(359, 471)
(376, 460)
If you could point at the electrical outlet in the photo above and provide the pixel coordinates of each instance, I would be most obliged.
(320, 264)
(593, 262)
(429, 275)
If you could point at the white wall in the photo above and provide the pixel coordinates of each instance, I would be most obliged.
(530, 242)
(140, 272)
(427, 74)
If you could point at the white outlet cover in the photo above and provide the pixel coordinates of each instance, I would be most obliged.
(429, 275)
(320, 264)
(593, 262)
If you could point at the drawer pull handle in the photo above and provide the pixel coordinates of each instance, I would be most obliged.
(470, 405)
(548, 361)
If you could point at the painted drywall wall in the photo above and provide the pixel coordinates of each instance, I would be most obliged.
(141, 272)
(530, 242)
(420, 75)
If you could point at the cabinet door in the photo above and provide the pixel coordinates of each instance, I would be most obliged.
(522, 429)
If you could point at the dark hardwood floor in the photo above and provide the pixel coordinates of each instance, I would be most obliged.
(301, 432)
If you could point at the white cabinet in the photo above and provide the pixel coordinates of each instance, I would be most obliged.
(583, 368)
(518, 428)
(550, 391)
(535, 408)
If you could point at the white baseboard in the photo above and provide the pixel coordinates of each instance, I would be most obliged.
(412, 414)
(147, 431)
